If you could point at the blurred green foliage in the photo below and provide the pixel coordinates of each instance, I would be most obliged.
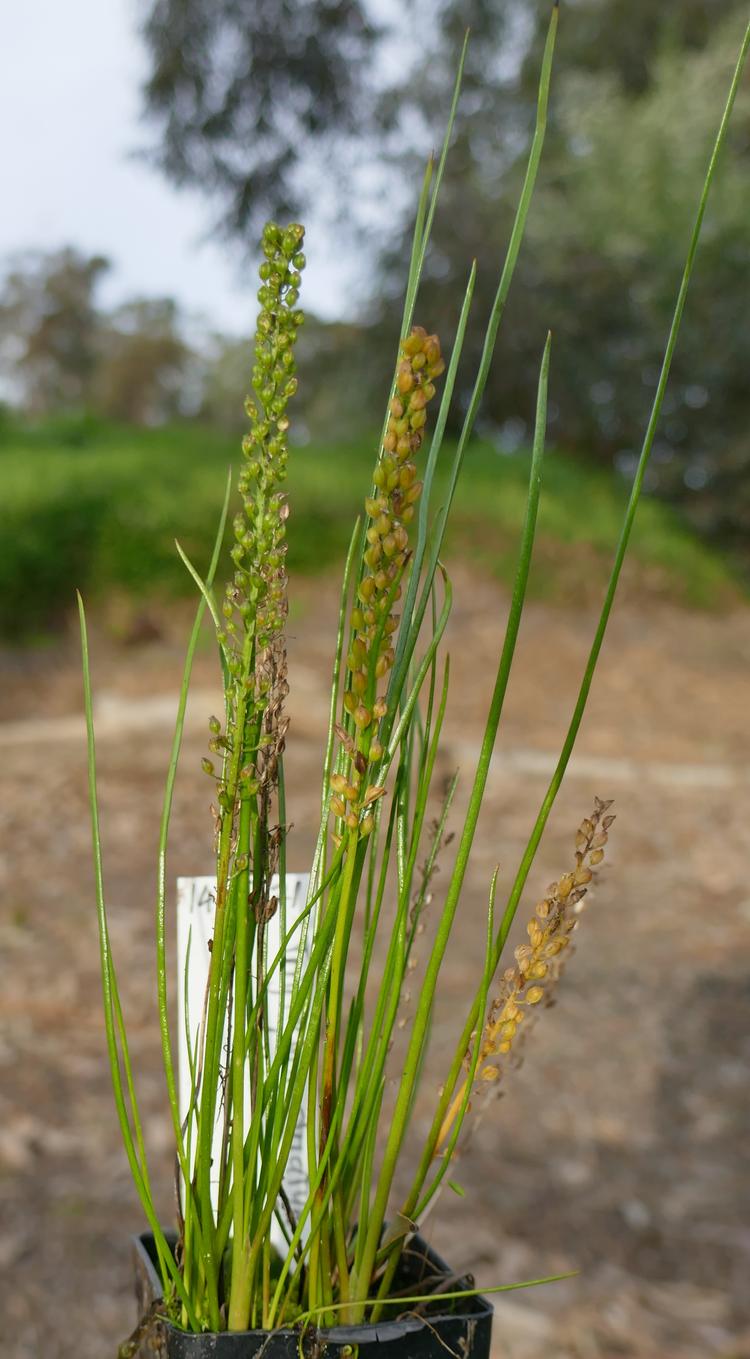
(98, 508)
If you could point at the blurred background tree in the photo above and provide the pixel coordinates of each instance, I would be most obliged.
(144, 364)
(271, 107)
(242, 89)
(49, 328)
(241, 93)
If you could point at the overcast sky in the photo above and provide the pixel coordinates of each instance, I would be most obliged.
(70, 72)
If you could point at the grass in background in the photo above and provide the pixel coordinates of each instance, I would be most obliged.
(95, 507)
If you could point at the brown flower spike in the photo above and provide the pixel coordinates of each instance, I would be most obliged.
(539, 963)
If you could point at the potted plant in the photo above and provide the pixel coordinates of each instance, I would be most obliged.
(286, 1132)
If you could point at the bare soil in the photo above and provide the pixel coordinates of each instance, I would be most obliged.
(621, 1148)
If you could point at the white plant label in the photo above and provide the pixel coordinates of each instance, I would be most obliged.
(196, 905)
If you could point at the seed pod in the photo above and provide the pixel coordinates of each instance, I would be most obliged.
(564, 886)
(367, 825)
(401, 537)
(362, 716)
(338, 806)
(596, 856)
(534, 995)
(405, 379)
(207, 766)
(414, 340)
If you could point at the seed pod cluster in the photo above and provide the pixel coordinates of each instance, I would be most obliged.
(529, 985)
(256, 595)
(539, 962)
(255, 601)
(390, 510)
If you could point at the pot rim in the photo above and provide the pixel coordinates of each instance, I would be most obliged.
(472, 1309)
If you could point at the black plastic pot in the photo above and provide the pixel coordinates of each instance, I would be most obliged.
(464, 1333)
